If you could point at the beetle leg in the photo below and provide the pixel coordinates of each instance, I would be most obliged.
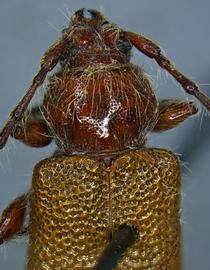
(173, 112)
(149, 48)
(48, 62)
(33, 129)
(12, 218)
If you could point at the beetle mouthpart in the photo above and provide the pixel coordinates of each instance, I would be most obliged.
(79, 13)
(95, 14)
(87, 14)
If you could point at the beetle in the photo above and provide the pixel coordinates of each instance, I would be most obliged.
(99, 108)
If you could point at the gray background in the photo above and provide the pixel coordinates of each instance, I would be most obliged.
(28, 27)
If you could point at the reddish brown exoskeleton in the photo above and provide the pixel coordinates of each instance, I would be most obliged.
(99, 108)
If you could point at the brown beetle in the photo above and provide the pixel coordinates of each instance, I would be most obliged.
(99, 108)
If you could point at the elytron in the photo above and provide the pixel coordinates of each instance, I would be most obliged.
(102, 180)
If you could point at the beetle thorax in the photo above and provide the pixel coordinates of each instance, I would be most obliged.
(106, 108)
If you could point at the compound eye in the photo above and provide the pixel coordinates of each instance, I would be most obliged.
(73, 50)
(124, 46)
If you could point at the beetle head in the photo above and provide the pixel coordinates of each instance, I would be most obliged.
(93, 39)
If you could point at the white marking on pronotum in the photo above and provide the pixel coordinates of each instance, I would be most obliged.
(102, 126)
